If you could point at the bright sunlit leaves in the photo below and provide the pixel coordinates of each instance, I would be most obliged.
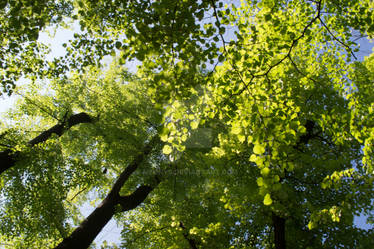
(267, 200)
(259, 149)
(254, 75)
(167, 149)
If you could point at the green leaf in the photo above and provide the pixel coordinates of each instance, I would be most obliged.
(311, 225)
(194, 125)
(267, 200)
(253, 158)
(241, 138)
(259, 149)
(167, 149)
(236, 130)
(265, 171)
(164, 137)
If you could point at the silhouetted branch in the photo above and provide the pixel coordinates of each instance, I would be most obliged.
(9, 157)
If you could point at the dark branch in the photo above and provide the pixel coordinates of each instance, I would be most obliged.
(79, 192)
(134, 165)
(336, 39)
(59, 129)
(299, 71)
(295, 41)
(129, 202)
(145, 233)
(191, 242)
(288, 55)
(8, 157)
(231, 64)
(279, 225)
(87, 231)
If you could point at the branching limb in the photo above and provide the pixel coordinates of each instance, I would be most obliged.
(336, 39)
(9, 157)
(133, 200)
(87, 231)
(295, 41)
(226, 52)
(191, 242)
(59, 129)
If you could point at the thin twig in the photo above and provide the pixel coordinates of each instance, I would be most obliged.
(35, 104)
(225, 49)
(145, 120)
(80, 191)
(299, 71)
(6, 145)
(336, 39)
(294, 42)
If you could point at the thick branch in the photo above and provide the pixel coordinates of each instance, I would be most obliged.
(87, 231)
(129, 202)
(134, 165)
(279, 225)
(9, 158)
(191, 242)
(59, 129)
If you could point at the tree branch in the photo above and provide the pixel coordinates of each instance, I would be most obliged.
(145, 233)
(191, 242)
(87, 231)
(336, 39)
(134, 165)
(8, 157)
(279, 225)
(133, 200)
(295, 41)
(231, 64)
(59, 129)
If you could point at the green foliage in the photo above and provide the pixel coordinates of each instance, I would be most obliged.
(262, 106)
(53, 179)
(20, 24)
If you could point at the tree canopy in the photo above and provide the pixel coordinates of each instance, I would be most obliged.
(245, 124)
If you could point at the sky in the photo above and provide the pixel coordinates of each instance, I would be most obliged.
(111, 232)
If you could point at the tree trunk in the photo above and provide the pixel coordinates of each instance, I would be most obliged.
(83, 236)
(279, 225)
(87, 231)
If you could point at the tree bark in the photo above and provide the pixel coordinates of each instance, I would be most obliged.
(8, 158)
(83, 236)
(59, 129)
(279, 225)
(87, 231)
(191, 242)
